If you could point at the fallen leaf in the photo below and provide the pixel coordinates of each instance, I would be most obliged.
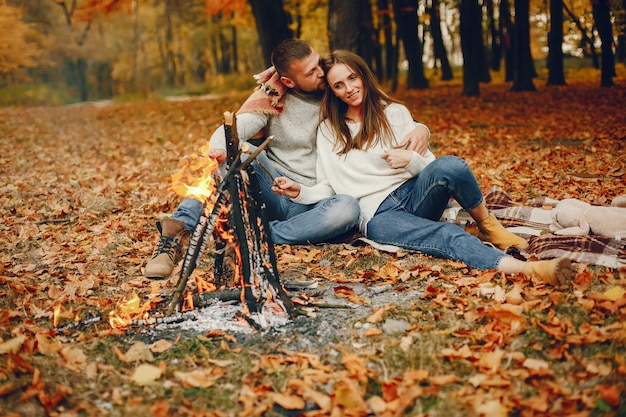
(160, 346)
(377, 317)
(200, 378)
(138, 352)
(612, 394)
(146, 374)
(614, 293)
(12, 345)
(372, 331)
(535, 364)
(288, 402)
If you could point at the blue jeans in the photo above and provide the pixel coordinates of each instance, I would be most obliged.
(289, 223)
(409, 216)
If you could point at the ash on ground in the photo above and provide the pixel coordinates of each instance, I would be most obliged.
(325, 320)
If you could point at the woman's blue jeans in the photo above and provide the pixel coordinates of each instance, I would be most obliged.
(290, 223)
(409, 216)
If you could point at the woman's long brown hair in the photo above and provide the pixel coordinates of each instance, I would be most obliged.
(374, 124)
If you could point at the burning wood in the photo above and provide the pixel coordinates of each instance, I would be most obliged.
(236, 206)
(233, 216)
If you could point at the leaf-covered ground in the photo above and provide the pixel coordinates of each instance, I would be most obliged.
(83, 185)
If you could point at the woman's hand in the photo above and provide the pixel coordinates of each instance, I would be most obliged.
(285, 186)
(397, 158)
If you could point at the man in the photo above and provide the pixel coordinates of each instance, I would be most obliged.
(285, 106)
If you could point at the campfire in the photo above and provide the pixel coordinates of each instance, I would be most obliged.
(233, 219)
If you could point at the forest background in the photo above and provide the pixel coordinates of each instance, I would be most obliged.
(58, 51)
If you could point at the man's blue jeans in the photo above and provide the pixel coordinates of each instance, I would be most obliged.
(409, 216)
(290, 223)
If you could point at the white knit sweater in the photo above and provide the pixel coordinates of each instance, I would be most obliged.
(362, 174)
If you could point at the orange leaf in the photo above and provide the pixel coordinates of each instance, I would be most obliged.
(288, 402)
(610, 393)
(373, 331)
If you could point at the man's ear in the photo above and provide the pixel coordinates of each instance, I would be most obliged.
(287, 81)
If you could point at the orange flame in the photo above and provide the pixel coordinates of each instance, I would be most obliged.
(195, 178)
(204, 285)
(127, 312)
(57, 313)
(188, 302)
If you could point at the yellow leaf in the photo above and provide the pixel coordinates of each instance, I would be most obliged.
(492, 408)
(312, 254)
(138, 352)
(146, 374)
(615, 293)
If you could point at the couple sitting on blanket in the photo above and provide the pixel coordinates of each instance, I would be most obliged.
(367, 164)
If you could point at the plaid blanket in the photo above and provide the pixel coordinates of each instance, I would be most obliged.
(531, 220)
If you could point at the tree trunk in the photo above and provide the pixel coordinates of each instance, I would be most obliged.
(135, 45)
(343, 24)
(556, 74)
(470, 27)
(366, 46)
(507, 32)
(439, 48)
(389, 51)
(495, 34)
(272, 25)
(602, 17)
(235, 53)
(407, 22)
(170, 59)
(620, 49)
(523, 69)
(81, 76)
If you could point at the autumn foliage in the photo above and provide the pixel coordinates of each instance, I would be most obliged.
(83, 186)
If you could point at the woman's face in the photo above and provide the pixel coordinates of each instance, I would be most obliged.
(346, 85)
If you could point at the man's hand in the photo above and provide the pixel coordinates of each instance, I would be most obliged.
(397, 158)
(218, 154)
(285, 186)
(416, 140)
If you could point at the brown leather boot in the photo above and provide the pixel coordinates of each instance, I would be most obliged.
(559, 271)
(168, 250)
(492, 231)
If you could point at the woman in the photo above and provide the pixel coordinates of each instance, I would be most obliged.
(401, 193)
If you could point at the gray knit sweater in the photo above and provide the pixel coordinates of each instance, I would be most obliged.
(293, 150)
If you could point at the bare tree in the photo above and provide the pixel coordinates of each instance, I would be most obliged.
(523, 67)
(272, 24)
(507, 32)
(471, 40)
(439, 48)
(343, 24)
(556, 74)
(407, 21)
(602, 17)
(389, 69)
(495, 36)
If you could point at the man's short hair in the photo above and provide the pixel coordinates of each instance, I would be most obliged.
(287, 51)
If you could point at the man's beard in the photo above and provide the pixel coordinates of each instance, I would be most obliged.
(319, 93)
